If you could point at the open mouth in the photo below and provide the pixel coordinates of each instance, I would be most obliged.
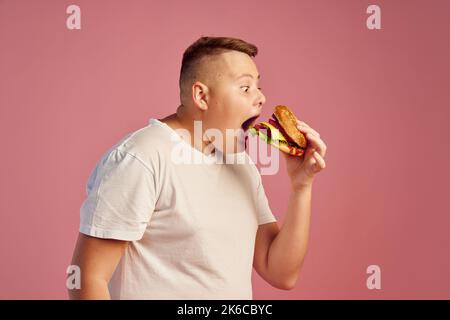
(249, 123)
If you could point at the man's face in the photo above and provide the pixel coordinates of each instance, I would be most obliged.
(234, 95)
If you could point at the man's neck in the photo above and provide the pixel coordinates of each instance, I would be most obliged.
(184, 119)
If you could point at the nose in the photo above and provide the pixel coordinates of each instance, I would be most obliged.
(261, 99)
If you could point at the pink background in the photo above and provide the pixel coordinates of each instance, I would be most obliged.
(379, 98)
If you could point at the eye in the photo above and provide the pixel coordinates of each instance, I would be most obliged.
(246, 88)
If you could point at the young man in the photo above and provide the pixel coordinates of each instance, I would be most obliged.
(153, 227)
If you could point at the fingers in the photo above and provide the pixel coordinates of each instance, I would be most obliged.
(302, 126)
(319, 160)
(317, 144)
(313, 137)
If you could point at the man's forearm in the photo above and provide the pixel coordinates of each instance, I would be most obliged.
(288, 248)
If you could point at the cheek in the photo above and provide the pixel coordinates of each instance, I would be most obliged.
(229, 107)
(238, 100)
(228, 102)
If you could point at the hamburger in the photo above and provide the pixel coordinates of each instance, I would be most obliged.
(281, 132)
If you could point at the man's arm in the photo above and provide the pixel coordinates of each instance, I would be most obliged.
(97, 259)
(279, 253)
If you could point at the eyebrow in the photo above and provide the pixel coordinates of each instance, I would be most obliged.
(247, 75)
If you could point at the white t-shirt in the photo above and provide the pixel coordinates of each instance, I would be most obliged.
(191, 227)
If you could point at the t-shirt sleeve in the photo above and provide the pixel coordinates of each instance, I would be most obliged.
(121, 197)
(265, 214)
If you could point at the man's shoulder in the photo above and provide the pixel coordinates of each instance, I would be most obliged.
(149, 138)
(146, 143)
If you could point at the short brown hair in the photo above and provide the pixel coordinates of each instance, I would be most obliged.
(206, 46)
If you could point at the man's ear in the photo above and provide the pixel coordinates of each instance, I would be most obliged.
(200, 95)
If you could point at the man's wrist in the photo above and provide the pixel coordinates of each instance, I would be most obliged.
(307, 186)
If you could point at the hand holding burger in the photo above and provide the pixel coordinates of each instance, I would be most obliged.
(303, 149)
